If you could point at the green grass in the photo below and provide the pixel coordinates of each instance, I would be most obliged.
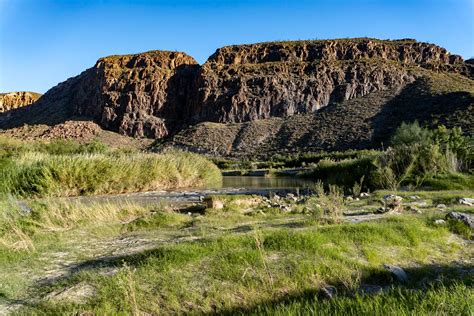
(344, 173)
(37, 174)
(10, 147)
(229, 261)
(438, 300)
(234, 271)
(453, 181)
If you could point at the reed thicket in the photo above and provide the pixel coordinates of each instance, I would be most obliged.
(43, 174)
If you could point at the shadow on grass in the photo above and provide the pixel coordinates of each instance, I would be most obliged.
(375, 282)
(372, 281)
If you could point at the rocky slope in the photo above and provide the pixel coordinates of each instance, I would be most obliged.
(280, 89)
(13, 100)
(365, 122)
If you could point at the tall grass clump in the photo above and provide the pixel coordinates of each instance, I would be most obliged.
(11, 147)
(39, 174)
(21, 221)
(326, 205)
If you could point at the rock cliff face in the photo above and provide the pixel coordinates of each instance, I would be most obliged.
(142, 95)
(249, 82)
(13, 100)
(157, 94)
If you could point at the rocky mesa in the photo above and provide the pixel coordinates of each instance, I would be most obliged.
(365, 86)
(13, 100)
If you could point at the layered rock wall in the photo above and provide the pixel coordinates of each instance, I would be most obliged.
(142, 95)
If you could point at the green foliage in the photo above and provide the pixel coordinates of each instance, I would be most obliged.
(14, 148)
(69, 147)
(458, 227)
(452, 140)
(264, 268)
(417, 155)
(157, 220)
(411, 134)
(344, 173)
(36, 174)
(455, 299)
(357, 187)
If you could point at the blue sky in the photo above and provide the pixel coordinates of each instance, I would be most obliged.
(45, 42)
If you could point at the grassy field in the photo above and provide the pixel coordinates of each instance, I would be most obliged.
(240, 259)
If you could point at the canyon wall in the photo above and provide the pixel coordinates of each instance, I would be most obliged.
(157, 94)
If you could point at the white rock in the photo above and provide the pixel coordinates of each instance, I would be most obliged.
(392, 197)
(440, 222)
(466, 201)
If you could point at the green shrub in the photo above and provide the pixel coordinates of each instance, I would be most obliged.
(417, 155)
(409, 134)
(344, 173)
(69, 147)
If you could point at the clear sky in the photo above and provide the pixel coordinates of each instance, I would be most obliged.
(44, 42)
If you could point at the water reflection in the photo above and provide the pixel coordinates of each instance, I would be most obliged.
(265, 182)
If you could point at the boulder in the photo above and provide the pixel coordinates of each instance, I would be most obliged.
(393, 203)
(211, 202)
(465, 218)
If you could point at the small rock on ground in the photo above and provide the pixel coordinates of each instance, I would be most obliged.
(328, 292)
(77, 294)
(466, 201)
(399, 274)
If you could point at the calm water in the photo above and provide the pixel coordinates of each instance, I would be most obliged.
(231, 185)
(265, 182)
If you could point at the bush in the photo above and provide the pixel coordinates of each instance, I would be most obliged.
(70, 147)
(411, 134)
(418, 154)
(15, 148)
(345, 173)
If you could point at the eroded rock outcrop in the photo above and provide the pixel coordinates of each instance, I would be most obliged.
(249, 82)
(142, 95)
(13, 100)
